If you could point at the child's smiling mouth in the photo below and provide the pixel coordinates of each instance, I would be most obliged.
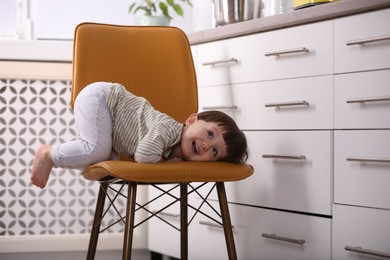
(195, 147)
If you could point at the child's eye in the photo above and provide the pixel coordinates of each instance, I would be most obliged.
(210, 134)
(215, 152)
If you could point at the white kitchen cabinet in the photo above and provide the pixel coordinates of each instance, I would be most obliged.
(302, 103)
(263, 234)
(269, 234)
(361, 215)
(360, 233)
(362, 42)
(362, 168)
(293, 171)
(362, 100)
(310, 116)
(293, 52)
(158, 230)
(259, 234)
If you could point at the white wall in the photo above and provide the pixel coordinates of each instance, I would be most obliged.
(48, 19)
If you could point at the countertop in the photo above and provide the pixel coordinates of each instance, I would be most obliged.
(293, 18)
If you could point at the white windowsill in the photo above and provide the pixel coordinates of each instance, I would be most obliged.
(36, 50)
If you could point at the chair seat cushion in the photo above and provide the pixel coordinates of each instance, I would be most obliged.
(169, 172)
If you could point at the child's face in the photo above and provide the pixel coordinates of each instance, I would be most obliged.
(202, 141)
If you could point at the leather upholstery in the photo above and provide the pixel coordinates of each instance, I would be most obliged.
(156, 63)
(153, 62)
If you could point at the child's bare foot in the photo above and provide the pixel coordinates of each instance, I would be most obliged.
(42, 166)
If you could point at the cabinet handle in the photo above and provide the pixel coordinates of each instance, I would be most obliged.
(287, 157)
(367, 251)
(211, 224)
(289, 103)
(366, 159)
(219, 107)
(285, 239)
(368, 40)
(290, 51)
(165, 214)
(366, 100)
(216, 62)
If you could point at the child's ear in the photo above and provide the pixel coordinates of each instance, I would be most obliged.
(192, 119)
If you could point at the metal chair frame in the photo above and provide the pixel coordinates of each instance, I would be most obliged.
(132, 207)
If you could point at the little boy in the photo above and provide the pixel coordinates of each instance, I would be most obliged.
(113, 121)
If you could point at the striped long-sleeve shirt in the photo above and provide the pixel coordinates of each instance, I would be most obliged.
(138, 129)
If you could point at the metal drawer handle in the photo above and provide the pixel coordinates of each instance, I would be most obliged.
(216, 62)
(211, 224)
(285, 239)
(367, 251)
(289, 103)
(165, 214)
(368, 40)
(287, 157)
(219, 107)
(366, 100)
(290, 51)
(366, 159)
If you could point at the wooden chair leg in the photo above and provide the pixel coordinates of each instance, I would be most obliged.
(227, 225)
(93, 240)
(183, 221)
(129, 225)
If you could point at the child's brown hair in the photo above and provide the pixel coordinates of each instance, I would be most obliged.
(235, 140)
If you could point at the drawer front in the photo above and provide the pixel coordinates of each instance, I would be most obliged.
(365, 230)
(309, 237)
(206, 238)
(163, 238)
(362, 100)
(305, 103)
(267, 56)
(362, 42)
(362, 168)
(301, 181)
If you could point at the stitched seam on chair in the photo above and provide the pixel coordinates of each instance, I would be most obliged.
(131, 50)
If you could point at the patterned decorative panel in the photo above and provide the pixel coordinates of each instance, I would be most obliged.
(34, 112)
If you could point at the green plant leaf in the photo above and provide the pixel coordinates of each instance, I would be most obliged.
(178, 9)
(164, 9)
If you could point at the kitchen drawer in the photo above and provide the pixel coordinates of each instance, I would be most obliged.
(362, 168)
(206, 238)
(362, 42)
(292, 52)
(310, 237)
(163, 238)
(293, 171)
(303, 103)
(363, 229)
(362, 100)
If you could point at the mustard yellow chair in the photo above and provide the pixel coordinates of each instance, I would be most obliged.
(156, 63)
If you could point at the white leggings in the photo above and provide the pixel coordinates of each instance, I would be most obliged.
(94, 124)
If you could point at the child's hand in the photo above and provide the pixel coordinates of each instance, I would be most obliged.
(175, 159)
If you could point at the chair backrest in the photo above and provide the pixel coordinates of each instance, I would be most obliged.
(152, 62)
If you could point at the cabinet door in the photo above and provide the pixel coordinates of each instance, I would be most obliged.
(360, 233)
(362, 168)
(362, 42)
(293, 171)
(362, 100)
